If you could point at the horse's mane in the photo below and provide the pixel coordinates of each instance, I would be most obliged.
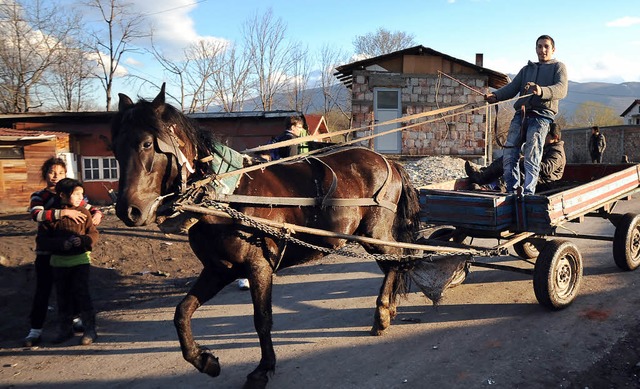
(157, 121)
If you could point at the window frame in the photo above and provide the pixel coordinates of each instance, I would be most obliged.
(101, 169)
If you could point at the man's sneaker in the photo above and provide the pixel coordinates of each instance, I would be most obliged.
(33, 339)
(243, 284)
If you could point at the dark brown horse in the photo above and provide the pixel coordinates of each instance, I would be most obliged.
(153, 143)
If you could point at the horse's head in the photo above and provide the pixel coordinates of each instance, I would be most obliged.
(152, 142)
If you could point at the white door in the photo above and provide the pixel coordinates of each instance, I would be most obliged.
(386, 102)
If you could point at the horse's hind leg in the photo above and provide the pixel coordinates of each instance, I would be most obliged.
(203, 290)
(385, 304)
(260, 279)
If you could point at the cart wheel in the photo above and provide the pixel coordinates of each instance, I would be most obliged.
(447, 234)
(557, 274)
(626, 242)
(525, 249)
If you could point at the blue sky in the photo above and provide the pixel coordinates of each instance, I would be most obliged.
(597, 40)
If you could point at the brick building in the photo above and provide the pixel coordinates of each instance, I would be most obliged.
(410, 81)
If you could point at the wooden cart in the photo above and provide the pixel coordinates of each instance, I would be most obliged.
(533, 225)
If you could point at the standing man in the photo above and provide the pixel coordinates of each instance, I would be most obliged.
(597, 144)
(546, 81)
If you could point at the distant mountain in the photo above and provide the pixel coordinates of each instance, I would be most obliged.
(617, 96)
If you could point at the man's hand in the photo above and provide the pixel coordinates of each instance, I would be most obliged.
(533, 88)
(74, 215)
(491, 98)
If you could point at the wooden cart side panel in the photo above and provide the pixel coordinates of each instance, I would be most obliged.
(491, 211)
(465, 209)
(578, 201)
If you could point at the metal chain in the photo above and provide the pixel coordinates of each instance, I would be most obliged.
(344, 251)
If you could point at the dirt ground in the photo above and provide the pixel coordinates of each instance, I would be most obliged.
(132, 266)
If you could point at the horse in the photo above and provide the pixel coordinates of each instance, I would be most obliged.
(160, 151)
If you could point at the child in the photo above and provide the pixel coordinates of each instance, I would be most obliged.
(70, 244)
(53, 170)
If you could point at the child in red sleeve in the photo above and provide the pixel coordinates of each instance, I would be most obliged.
(53, 170)
(70, 244)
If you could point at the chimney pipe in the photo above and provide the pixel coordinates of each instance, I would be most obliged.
(479, 59)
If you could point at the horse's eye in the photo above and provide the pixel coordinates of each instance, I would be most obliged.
(147, 145)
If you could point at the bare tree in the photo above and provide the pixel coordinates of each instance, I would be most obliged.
(271, 56)
(592, 113)
(121, 28)
(230, 84)
(382, 42)
(69, 79)
(174, 69)
(31, 35)
(332, 91)
(298, 99)
(203, 62)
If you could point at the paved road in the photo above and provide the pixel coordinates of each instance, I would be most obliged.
(488, 332)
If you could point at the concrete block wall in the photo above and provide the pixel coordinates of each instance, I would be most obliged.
(621, 140)
(461, 134)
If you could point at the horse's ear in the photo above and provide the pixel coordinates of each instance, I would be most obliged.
(158, 102)
(124, 103)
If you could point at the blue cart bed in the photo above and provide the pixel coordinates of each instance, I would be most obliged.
(584, 189)
(528, 224)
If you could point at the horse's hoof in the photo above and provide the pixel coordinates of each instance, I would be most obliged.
(255, 383)
(377, 331)
(210, 364)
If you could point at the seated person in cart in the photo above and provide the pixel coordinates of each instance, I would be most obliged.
(551, 167)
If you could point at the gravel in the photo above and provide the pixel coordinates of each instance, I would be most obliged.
(434, 169)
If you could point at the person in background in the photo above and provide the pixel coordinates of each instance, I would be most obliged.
(546, 81)
(53, 170)
(551, 167)
(294, 128)
(597, 144)
(70, 244)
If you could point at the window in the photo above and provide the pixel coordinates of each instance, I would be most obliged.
(11, 152)
(388, 99)
(99, 169)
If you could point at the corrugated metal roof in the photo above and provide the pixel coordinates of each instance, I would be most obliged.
(243, 114)
(12, 135)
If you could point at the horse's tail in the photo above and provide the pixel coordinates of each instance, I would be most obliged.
(405, 226)
(407, 221)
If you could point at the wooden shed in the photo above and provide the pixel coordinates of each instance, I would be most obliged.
(244, 130)
(413, 81)
(21, 156)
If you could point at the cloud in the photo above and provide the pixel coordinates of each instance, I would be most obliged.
(172, 26)
(626, 21)
(608, 67)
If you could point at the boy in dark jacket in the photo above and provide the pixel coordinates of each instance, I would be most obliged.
(70, 244)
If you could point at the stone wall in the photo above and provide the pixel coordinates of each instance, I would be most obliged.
(621, 140)
(459, 135)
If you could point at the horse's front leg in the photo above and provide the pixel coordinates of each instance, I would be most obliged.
(261, 281)
(203, 290)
